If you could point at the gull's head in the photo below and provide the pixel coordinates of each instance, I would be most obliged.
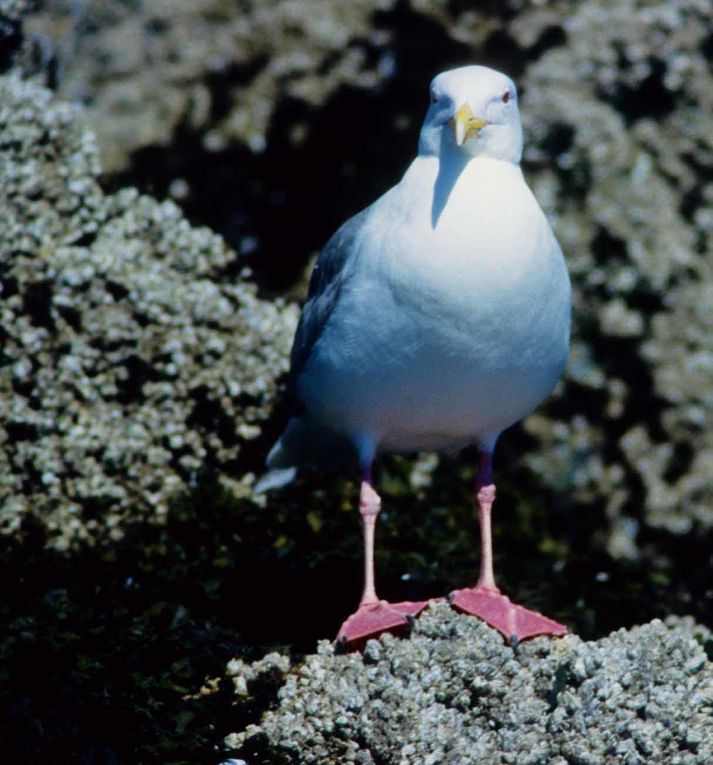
(473, 111)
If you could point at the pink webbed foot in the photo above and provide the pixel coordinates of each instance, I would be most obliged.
(372, 619)
(514, 622)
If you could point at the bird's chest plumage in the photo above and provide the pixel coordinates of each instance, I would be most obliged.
(474, 275)
(454, 322)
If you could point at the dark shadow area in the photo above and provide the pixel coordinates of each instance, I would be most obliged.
(105, 649)
(10, 40)
(650, 98)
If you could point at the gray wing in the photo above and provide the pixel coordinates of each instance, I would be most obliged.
(324, 288)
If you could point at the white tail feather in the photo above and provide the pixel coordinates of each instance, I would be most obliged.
(275, 479)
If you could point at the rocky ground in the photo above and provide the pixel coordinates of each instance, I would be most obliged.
(455, 693)
(152, 246)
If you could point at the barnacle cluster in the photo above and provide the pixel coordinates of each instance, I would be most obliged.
(455, 692)
(131, 363)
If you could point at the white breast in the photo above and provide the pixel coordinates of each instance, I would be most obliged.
(445, 334)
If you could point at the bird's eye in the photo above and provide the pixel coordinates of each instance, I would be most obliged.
(434, 97)
(506, 96)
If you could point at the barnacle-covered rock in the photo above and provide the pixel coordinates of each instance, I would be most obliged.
(454, 692)
(618, 119)
(130, 363)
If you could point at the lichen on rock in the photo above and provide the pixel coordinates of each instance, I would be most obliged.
(455, 693)
(132, 362)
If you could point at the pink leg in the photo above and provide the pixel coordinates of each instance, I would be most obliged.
(486, 497)
(374, 616)
(485, 600)
(369, 507)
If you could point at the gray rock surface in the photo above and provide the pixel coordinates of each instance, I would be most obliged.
(455, 693)
(619, 140)
(130, 363)
(145, 68)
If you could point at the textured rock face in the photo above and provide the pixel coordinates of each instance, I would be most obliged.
(156, 65)
(454, 693)
(621, 141)
(130, 362)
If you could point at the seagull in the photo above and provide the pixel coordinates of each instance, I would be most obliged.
(436, 318)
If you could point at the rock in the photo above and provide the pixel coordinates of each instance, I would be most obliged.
(133, 360)
(455, 693)
(147, 69)
(619, 135)
(12, 14)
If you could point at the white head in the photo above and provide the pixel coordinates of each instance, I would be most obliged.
(473, 112)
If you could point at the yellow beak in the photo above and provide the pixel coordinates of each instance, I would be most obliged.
(465, 125)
